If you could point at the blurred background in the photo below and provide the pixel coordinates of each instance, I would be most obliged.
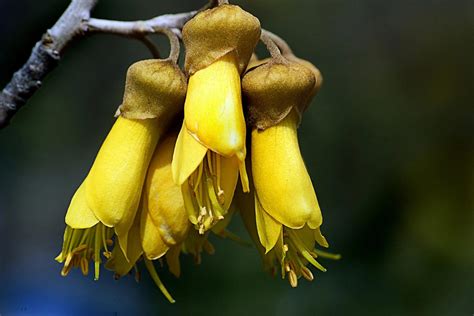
(389, 143)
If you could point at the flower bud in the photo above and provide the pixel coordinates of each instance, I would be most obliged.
(216, 32)
(273, 89)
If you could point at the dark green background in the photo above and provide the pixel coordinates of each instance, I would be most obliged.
(389, 143)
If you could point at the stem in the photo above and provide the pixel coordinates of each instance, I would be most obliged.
(174, 43)
(281, 43)
(272, 47)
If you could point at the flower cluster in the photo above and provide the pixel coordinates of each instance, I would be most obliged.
(162, 181)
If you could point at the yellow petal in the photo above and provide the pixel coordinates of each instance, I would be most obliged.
(307, 236)
(320, 238)
(121, 263)
(172, 259)
(281, 180)
(213, 107)
(188, 154)
(164, 198)
(229, 174)
(79, 215)
(189, 203)
(245, 204)
(269, 230)
(115, 182)
(244, 179)
(153, 245)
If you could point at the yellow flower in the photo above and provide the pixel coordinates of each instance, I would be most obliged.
(287, 212)
(210, 150)
(162, 223)
(109, 196)
(107, 201)
(161, 228)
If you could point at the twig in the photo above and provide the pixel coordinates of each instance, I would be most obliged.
(271, 46)
(281, 43)
(74, 23)
(135, 28)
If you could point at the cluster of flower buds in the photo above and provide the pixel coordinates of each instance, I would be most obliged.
(161, 183)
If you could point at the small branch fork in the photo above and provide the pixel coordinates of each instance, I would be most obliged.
(73, 24)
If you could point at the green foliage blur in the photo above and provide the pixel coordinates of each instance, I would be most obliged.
(389, 143)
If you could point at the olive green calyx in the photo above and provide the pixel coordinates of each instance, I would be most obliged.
(216, 32)
(317, 83)
(273, 89)
(154, 88)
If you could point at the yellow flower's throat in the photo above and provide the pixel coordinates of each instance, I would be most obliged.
(83, 245)
(203, 194)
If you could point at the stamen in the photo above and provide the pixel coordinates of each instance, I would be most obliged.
(79, 249)
(156, 279)
(327, 255)
(97, 253)
(84, 266)
(137, 273)
(306, 273)
(208, 247)
(65, 270)
(68, 259)
(293, 278)
(210, 162)
(220, 192)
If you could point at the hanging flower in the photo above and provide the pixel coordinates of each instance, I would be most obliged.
(210, 150)
(161, 229)
(287, 213)
(107, 201)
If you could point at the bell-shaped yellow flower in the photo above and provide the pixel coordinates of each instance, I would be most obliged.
(107, 201)
(210, 150)
(162, 224)
(161, 229)
(293, 249)
(284, 188)
(109, 196)
(287, 212)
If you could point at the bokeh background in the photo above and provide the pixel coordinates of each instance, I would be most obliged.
(389, 143)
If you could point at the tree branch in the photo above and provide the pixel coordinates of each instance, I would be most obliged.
(74, 23)
(136, 28)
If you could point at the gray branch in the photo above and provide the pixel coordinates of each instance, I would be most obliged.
(74, 23)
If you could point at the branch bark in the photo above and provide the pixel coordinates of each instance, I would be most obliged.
(74, 23)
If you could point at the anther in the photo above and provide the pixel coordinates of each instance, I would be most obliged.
(84, 266)
(293, 279)
(307, 274)
(79, 248)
